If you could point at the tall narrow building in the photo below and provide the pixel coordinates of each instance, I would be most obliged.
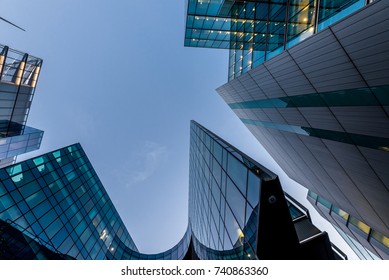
(309, 79)
(238, 210)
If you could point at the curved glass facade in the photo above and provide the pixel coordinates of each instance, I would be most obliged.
(57, 202)
(58, 198)
(224, 196)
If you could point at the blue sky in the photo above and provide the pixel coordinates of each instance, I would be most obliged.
(117, 78)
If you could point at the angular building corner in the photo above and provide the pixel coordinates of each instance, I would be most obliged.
(238, 210)
(54, 207)
(19, 73)
(310, 80)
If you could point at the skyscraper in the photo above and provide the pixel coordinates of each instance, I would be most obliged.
(19, 74)
(309, 79)
(237, 209)
(54, 206)
(57, 200)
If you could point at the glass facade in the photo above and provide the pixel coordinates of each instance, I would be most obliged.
(320, 108)
(54, 207)
(256, 31)
(19, 73)
(16, 139)
(224, 197)
(17, 244)
(362, 238)
(231, 201)
(58, 198)
(178, 252)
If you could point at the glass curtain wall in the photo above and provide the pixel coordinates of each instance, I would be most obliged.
(256, 31)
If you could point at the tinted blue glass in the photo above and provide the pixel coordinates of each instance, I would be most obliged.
(35, 199)
(236, 201)
(238, 173)
(29, 189)
(217, 152)
(253, 189)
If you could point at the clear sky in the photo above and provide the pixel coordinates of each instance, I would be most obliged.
(117, 78)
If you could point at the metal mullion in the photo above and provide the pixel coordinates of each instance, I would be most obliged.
(4, 53)
(316, 16)
(286, 23)
(267, 29)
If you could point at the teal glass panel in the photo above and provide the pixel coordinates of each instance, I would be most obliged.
(39, 161)
(382, 94)
(373, 142)
(339, 212)
(71, 176)
(30, 188)
(312, 195)
(324, 202)
(276, 28)
(351, 97)
(57, 154)
(41, 209)
(14, 169)
(37, 193)
(47, 219)
(53, 228)
(14, 212)
(2, 189)
(294, 212)
(331, 11)
(301, 19)
(56, 186)
(35, 199)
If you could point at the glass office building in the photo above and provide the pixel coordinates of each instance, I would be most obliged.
(57, 200)
(237, 209)
(19, 73)
(309, 79)
(55, 207)
(257, 30)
